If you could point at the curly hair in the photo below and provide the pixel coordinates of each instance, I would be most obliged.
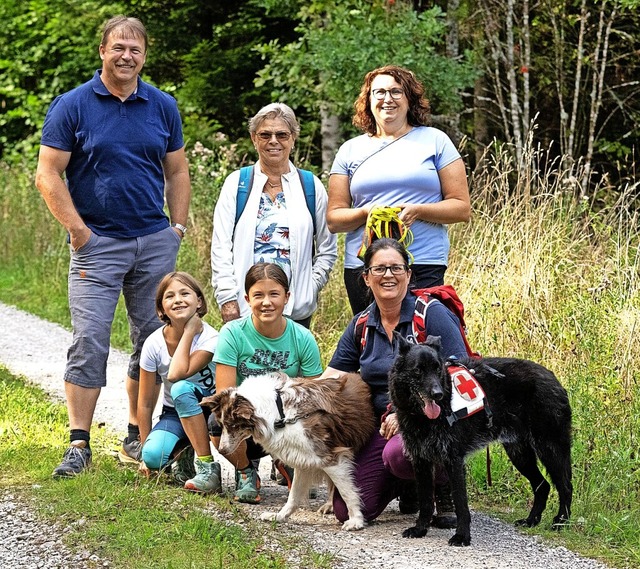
(419, 113)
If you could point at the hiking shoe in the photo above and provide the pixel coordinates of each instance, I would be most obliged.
(408, 499)
(445, 517)
(247, 486)
(207, 478)
(130, 451)
(74, 461)
(182, 467)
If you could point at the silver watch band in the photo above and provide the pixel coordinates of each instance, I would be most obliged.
(180, 227)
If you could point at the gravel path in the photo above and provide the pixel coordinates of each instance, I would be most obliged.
(39, 353)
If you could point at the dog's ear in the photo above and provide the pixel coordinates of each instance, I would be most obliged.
(214, 402)
(434, 342)
(403, 344)
(242, 408)
(208, 401)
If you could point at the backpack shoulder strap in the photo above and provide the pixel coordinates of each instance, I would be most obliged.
(361, 330)
(309, 188)
(246, 181)
(419, 323)
(447, 295)
(244, 187)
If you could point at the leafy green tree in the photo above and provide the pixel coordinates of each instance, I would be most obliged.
(46, 48)
(338, 43)
(563, 74)
(219, 88)
(200, 51)
(205, 54)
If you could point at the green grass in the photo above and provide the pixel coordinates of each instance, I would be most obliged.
(543, 276)
(117, 514)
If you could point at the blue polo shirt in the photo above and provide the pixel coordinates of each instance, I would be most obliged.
(379, 352)
(115, 174)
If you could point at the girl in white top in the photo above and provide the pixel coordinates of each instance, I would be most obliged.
(181, 354)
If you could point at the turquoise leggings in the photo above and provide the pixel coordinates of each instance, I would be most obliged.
(168, 431)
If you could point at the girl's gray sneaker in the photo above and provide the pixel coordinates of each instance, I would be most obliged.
(130, 451)
(207, 479)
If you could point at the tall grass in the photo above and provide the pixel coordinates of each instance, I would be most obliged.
(549, 278)
(543, 276)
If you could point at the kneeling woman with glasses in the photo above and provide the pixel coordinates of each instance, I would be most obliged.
(382, 471)
(278, 223)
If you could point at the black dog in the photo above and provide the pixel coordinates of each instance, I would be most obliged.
(529, 414)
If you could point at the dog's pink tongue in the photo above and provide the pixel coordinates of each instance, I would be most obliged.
(432, 410)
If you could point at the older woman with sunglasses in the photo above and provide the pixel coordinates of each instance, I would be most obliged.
(382, 470)
(398, 161)
(276, 225)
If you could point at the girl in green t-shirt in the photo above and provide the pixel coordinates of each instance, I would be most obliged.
(263, 342)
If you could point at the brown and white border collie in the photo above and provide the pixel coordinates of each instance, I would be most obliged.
(313, 425)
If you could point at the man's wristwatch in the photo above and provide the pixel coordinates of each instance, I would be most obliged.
(180, 227)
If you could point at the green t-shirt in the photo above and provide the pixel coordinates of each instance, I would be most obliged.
(295, 353)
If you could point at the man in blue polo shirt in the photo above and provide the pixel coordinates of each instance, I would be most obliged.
(118, 141)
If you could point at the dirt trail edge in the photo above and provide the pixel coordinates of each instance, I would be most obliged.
(37, 349)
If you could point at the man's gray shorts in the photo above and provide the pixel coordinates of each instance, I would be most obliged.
(99, 271)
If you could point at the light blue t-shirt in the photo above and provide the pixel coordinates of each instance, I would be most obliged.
(402, 171)
(295, 353)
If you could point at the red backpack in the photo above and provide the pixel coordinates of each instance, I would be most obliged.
(446, 294)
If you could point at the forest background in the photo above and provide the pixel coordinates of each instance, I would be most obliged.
(542, 100)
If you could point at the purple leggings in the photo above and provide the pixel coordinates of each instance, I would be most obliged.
(378, 466)
(379, 469)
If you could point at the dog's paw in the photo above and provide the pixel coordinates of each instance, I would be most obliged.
(527, 522)
(270, 517)
(353, 524)
(326, 508)
(415, 531)
(460, 540)
(559, 523)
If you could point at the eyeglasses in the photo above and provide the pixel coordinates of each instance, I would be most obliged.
(381, 270)
(281, 135)
(380, 94)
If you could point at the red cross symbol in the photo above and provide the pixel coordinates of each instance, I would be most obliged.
(465, 384)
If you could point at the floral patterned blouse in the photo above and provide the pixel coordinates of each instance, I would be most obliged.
(272, 233)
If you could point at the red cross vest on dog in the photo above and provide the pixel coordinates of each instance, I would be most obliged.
(467, 395)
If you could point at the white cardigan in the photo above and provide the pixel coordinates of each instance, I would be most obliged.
(232, 257)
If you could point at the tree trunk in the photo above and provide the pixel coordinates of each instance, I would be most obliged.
(514, 103)
(480, 122)
(330, 133)
(597, 85)
(453, 52)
